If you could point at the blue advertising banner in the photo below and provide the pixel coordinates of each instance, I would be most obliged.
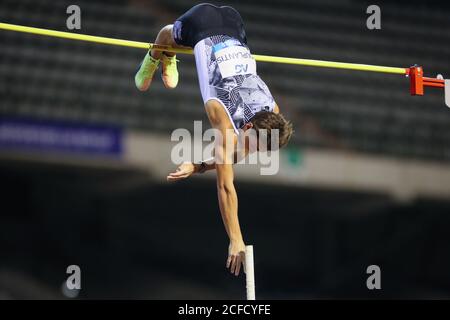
(65, 137)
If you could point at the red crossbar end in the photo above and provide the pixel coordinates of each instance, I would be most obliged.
(416, 80)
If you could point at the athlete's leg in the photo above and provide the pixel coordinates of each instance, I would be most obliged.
(152, 59)
(164, 37)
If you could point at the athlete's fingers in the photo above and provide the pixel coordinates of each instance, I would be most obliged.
(233, 264)
(176, 173)
(172, 178)
(228, 262)
(238, 265)
(181, 174)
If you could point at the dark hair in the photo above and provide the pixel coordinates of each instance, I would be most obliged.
(270, 120)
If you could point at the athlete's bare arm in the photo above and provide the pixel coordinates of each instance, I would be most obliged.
(228, 201)
(187, 169)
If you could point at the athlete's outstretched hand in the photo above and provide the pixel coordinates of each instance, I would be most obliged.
(236, 256)
(184, 171)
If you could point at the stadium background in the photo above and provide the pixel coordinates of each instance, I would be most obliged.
(365, 181)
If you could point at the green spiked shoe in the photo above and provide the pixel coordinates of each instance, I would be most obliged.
(144, 76)
(169, 71)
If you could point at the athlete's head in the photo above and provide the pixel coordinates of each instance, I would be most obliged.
(264, 122)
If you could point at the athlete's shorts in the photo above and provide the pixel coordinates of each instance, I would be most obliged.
(205, 20)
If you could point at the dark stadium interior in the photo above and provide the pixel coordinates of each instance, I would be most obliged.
(137, 237)
(155, 242)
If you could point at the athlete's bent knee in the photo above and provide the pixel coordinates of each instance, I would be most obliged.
(167, 31)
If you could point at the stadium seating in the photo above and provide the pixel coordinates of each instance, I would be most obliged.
(349, 110)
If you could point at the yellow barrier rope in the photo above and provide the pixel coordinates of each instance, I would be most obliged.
(147, 46)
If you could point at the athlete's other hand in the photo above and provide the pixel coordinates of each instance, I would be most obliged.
(236, 256)
(185, 170)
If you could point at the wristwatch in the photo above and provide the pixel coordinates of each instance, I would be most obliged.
(202, 167)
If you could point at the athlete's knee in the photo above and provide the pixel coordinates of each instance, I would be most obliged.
(168, 28)
(166, 32)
